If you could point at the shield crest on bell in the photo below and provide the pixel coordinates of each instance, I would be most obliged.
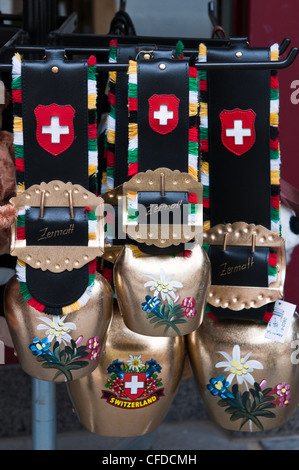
(134, 384)
(238, 130)
(163, 113)
(55, 127)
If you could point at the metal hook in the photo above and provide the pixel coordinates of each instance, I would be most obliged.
(284, 45)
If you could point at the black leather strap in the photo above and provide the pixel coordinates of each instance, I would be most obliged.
(56, 227)
(66, 85)
(176, 156)
(240, 185)
(156, 150)
(126, 52)
(238, 266)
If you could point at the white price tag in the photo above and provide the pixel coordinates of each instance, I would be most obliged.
(280, 322)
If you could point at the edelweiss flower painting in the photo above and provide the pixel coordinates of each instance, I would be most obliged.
(239, 367)
(165, 307)
(164, 287)
(254, 404)
(56, 328)
(135, 363)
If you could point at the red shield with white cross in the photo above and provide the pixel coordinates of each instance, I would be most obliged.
(237, 130)
(163, 113)
(54, 127)
(134, 384)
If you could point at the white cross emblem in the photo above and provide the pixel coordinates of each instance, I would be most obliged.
(163, 115)
(55, 129)
(238, 132)
(134, 385)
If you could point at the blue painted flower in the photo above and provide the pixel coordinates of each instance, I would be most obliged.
(219, 387)
(153, 366)
(151, 304)
(39, 347)
(116, 368)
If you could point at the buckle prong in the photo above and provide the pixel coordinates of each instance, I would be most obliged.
(162, 184)
(42, 203)
(253, 242)
(71, 205)
(225, 242)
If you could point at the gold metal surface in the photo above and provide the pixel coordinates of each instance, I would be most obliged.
(213, 351)
(132, 274)
(26, 323)
(98, 415)
(163, 180)
(243, 234)
(58, 258)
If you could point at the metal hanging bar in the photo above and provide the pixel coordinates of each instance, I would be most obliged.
(106, 67)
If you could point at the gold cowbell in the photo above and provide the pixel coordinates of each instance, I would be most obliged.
(134, 384)
(59, 348)
(247, 382)
(162, 295)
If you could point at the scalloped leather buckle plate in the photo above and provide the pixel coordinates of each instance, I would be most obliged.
(58, 258)
(243, 234)
(165, 234)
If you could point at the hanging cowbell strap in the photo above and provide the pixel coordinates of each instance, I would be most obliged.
(58, 234)
(162, 202)
(240, 172)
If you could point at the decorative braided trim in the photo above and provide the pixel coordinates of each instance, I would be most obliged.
(18, 121)
(275, 160)
(204, 141)
(92, 124)
(109, 142)
(19, 166)
(179, 51)
(133, 126)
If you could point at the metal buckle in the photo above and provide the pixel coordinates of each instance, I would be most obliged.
(162, 235)
(243, 234)
(58, 258)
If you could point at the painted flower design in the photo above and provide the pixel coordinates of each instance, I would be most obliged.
(57, 328)
(135, 363)
(93, 344)
(189, 305)
(40, 346)
(283, 393)
(151, 384)
(151, 304)
(153, 366)
(219, 387)
(239, 367)
(164, 287)
(117, 385)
